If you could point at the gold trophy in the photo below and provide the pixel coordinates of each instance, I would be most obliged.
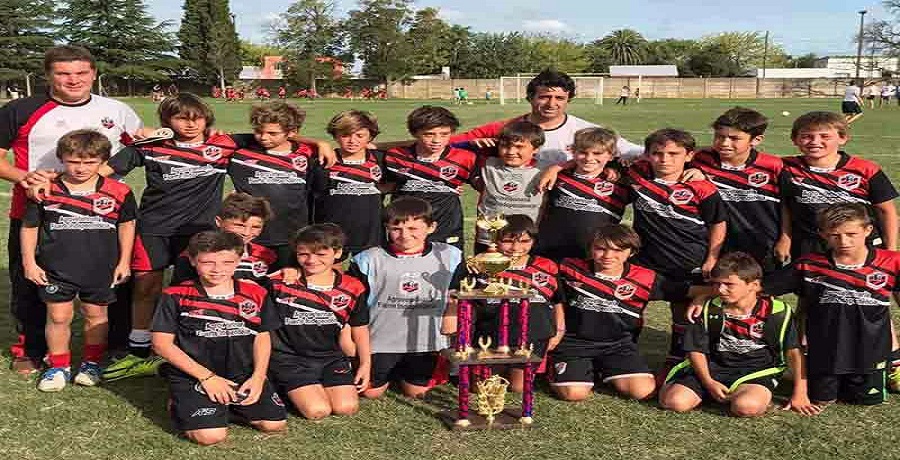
(490, 262)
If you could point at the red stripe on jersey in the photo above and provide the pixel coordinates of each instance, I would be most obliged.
(832, 273)
(188, 153)
(624, 290)
(188, 302)
(302, 292)
(21, 157)
(260, 252)
(713, 167)
(614, 199)
(280, 161)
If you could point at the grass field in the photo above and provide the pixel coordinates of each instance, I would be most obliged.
(127, 420)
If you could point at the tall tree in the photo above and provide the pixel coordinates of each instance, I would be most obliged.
(560, 53)
(308, 31)
(377, 33)
(433, 42)
(209, 42)
(884, 34)
(624, 46)
(745, 50)
(672, 51)
(26, 30)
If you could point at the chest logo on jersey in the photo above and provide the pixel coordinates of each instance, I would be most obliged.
(849, 181)
(876, 280)
(756, 330)
(410, 283)
(625, 291)
(758, 179)
(300, 163)
(260, 268)
(681, 196)
(510, 187)
(248, 309)
(107, 123)
(449, 172)
(540, 279)
(103, 205)
(212, 153)
(340, 302)
(604, 188)
(376, 173)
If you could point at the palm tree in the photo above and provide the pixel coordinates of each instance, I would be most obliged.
(624, 46)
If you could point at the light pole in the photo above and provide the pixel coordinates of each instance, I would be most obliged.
(859, 45)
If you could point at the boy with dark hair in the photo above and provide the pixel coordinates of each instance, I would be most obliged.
(77, 243)
(318, 312)
(407, 280)
(433, 170)
(740, 348)
(747, 180)
(214, 333)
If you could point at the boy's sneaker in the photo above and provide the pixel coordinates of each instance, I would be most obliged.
(54, 379)
(24, 366)
(132, 366)
(89, 374)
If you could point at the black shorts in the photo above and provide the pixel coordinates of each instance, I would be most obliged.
(726, 377)
(193, 410)
(154, 253)
(603, 364)
(862, 389)
(422, 369)
(59, 291)
(289, 372)
(850, 107)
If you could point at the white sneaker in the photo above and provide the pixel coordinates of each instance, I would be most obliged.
(54, 379)
(89, 374)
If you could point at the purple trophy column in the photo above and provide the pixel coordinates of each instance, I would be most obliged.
(503, 330)
(524, 306)
(464, 325)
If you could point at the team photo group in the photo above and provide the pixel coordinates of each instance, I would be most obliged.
(335, 274)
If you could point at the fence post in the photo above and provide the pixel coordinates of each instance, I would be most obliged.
(731, 88)
(705, 87)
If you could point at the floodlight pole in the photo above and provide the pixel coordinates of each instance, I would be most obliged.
(859, 44)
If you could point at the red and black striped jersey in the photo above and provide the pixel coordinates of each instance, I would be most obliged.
(78, 238)
(216, 332)
(283, 179)
(808, 190)
(604, 311)
(312, 316)
(673, 220)
(184, 183)
(752, 196)
(347, 194)
(576, 206)
(439, 182)
(847, 309)
(254, 265)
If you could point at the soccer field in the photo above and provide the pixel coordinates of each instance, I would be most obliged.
(128, 420)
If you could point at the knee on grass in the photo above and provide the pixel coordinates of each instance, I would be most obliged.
(678, 400)
(636, 387)
(573, 393)
(344, 407)
(748, 407)
(207, 436)
(270, 426)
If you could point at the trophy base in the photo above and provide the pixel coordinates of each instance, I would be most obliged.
(490, 358)
(509, 419)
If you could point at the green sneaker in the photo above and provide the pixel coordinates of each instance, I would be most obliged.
(132, 366)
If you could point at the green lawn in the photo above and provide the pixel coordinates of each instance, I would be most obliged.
(127, 419)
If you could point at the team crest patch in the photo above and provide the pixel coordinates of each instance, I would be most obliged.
(410, 284)
(560, 368)
(540, 279)
(758, 179)
(681, 196)
(340, 302)
(756, 330)
(300, 163)
(107, 123)
(277, 400)
(449, 172)
(248, 309)
(51, 289)
(375, 172)
(212, 153)
(260, 268)
(510, 187)
(876, 280)
(625, 291)
(849, 181)
(604, 188)
(103, 205)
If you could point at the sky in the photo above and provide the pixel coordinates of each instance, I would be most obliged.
(823, 27)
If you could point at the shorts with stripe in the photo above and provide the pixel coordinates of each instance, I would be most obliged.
(727, 377)
(154, 253)
(862, 389)
(602, 364)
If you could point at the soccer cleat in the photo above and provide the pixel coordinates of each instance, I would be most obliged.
(24, 366)
(893, 380)
(89, 374)
(54, 379)
(132, 366)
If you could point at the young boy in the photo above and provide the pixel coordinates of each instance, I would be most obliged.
(349, 193)
(737, 352)
(582, 200)
(851, 106)
(279, 170)
(308, 363)
(77, 243)
(747, 180)
(407, 280)
(434, 171)
(604, 299)
(214, 333)
(546, 323)
(245, 216)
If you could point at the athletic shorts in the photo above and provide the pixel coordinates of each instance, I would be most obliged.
(850, 107)
(289, 372)
(154, 253)
(726, 377)
(59, 291)
(193, 410)
(604, 364)
(862, 389)
(422, 369)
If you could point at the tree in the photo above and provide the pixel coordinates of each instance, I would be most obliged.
(26, 30)
(253, 54)
(624, 46)
(560, 54)
(209, 42)
(124, 39)
(489, 55)
(672, 51)
(745, 50)
(377, 32)
(805, 61)
(433, 42)
(307, 31)
(713, 60)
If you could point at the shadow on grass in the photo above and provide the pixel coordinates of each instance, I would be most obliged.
(148, 395)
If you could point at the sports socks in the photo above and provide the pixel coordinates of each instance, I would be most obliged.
(139, 342)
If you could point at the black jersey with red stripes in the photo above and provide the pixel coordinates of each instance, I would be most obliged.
(673, 220)
(216, 331)
(254, 265)
(439, 182)
(78, 239)
(184, 183)
(576, 206)
(807, 190)
(281, 178)
(605, 311)
(752, 195)
(347, 194)
(312, 317)
(847, 309)
(741, 343)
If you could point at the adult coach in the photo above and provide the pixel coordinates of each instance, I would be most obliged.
(30, 129)
(549, 94)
